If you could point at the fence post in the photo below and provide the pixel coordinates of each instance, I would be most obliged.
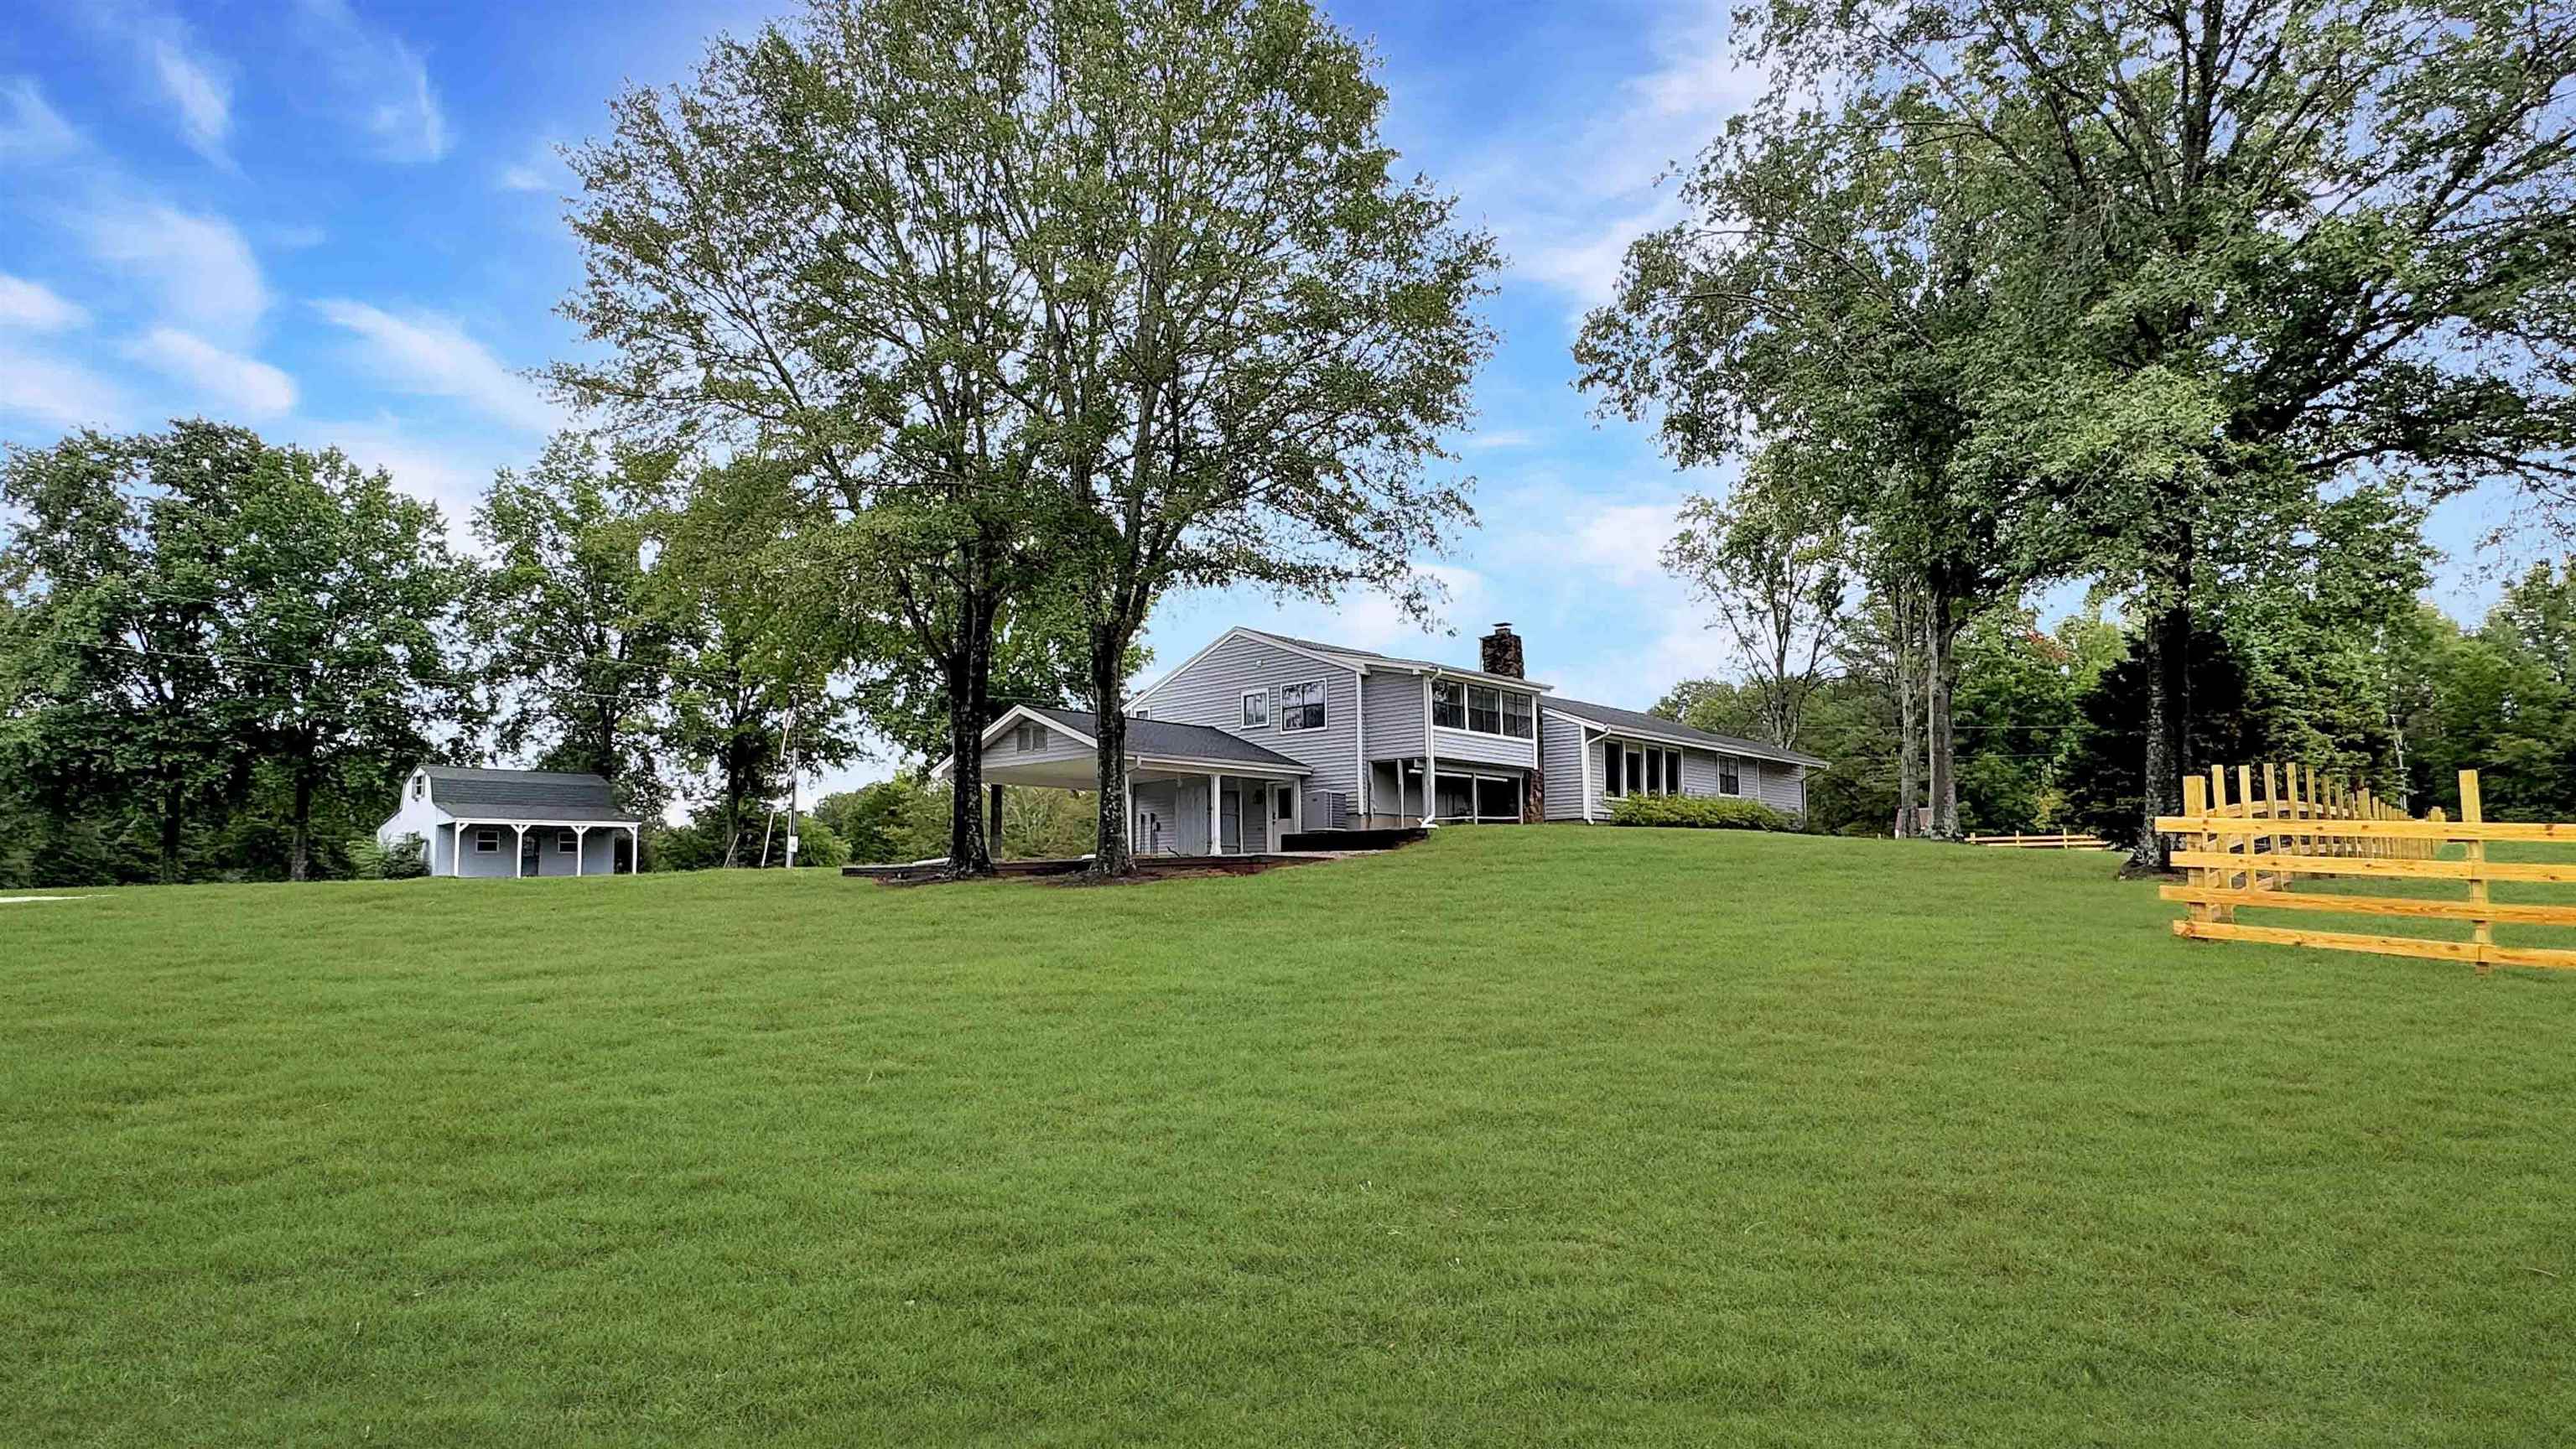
(2473, 812)
(2195, 803)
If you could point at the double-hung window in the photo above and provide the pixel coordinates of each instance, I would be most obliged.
(1449, 704)
(487, 840)
(1484, 710)
(1729, 781)
(1256, 709)
(567, 843)
(1518, 718)
(1301, 706)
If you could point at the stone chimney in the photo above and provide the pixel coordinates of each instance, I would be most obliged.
(1502, 651)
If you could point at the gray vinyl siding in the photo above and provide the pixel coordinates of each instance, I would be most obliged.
(1774, 783)
(1561, 753)
(1462, 747)
(1394, 716)
(1210, 692)
(1060, 747)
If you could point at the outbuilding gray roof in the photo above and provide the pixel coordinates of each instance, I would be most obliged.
(523, 794)
(1629, 719)
(1169, 739)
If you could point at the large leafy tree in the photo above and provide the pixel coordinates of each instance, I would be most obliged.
(126, 558)
(757, 638)
(575, 656)
(1772, 563)
(804, 253)
(2245, 248)
(1126, 290)
(1252, 333)
(339, 635)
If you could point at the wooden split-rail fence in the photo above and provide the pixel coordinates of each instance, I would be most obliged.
(2244, 849)
(2018, 841)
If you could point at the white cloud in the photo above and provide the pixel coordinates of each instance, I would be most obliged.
(203, 269)
(1623, 541)
(203, 95)
(540, 170)
(34, 307)
(31, 130)
(431, 355)
(380, 81)
(56, 392)
(243, 385)
(449, 474)
(1496, 439)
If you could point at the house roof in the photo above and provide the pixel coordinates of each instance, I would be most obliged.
(1629, 721)
(1393, 661)
(522, 794)
(1168, 739)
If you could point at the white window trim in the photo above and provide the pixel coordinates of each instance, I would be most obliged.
(1323, 705)
(1722, 762)
(487, 840)
(1639, 759)
(1502, 729)
(1267, 712)
(567, 842)
(1431, 796)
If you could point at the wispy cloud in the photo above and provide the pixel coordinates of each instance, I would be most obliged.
(56, 392)
(31, 130)
(1497, 439)
(241, 384)
(431, 355)
(202, 96)
(380, 81)
(33, 307)
(201, 267)
(539, 170)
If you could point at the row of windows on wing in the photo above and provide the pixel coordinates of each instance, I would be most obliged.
(1651, 770)
(1478, 709)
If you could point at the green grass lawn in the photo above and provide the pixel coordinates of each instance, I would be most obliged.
(1539, 1136)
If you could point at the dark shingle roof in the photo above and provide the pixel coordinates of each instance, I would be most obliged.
(523, 794)
(1611, 715)
(1320, 647)
(1169, 739)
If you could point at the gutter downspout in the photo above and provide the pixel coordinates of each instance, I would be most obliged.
(1359, 749)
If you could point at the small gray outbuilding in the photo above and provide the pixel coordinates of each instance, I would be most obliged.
(515, 823)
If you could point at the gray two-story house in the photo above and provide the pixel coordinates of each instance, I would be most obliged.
(1261, 735)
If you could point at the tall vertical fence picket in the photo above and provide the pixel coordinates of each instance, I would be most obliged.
(2243, 848)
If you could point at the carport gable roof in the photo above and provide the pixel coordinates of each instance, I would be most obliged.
(1162, 739)
(534, 795)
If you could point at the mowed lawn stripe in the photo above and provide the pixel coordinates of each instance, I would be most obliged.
(1521, 1136)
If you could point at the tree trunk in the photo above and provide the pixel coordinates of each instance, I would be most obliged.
(2165, 649)
(299, 850)
(1112, 853)
(1901, 660)
(969, 682)
(1000, 848)
(1941, 633)
(171, 828)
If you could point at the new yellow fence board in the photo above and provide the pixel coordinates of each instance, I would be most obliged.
(2512, 913)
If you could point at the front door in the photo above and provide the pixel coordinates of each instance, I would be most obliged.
(1230, 812)
(532, 844)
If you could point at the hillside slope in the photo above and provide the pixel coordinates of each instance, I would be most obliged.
(1539, 1136)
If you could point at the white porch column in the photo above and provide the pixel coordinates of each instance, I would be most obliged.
(1216, 814)
(1127, 800)
(456, 852)
(635, 851)
(519, 852)
(580, 843)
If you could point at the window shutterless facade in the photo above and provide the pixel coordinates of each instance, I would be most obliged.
(1628, 769)
(1729, 780)
(567, 843)
(1256, 709)
(1301, 707)
(487, 840)
(1483, 709)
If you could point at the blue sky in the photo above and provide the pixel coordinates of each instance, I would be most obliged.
(340, 222)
